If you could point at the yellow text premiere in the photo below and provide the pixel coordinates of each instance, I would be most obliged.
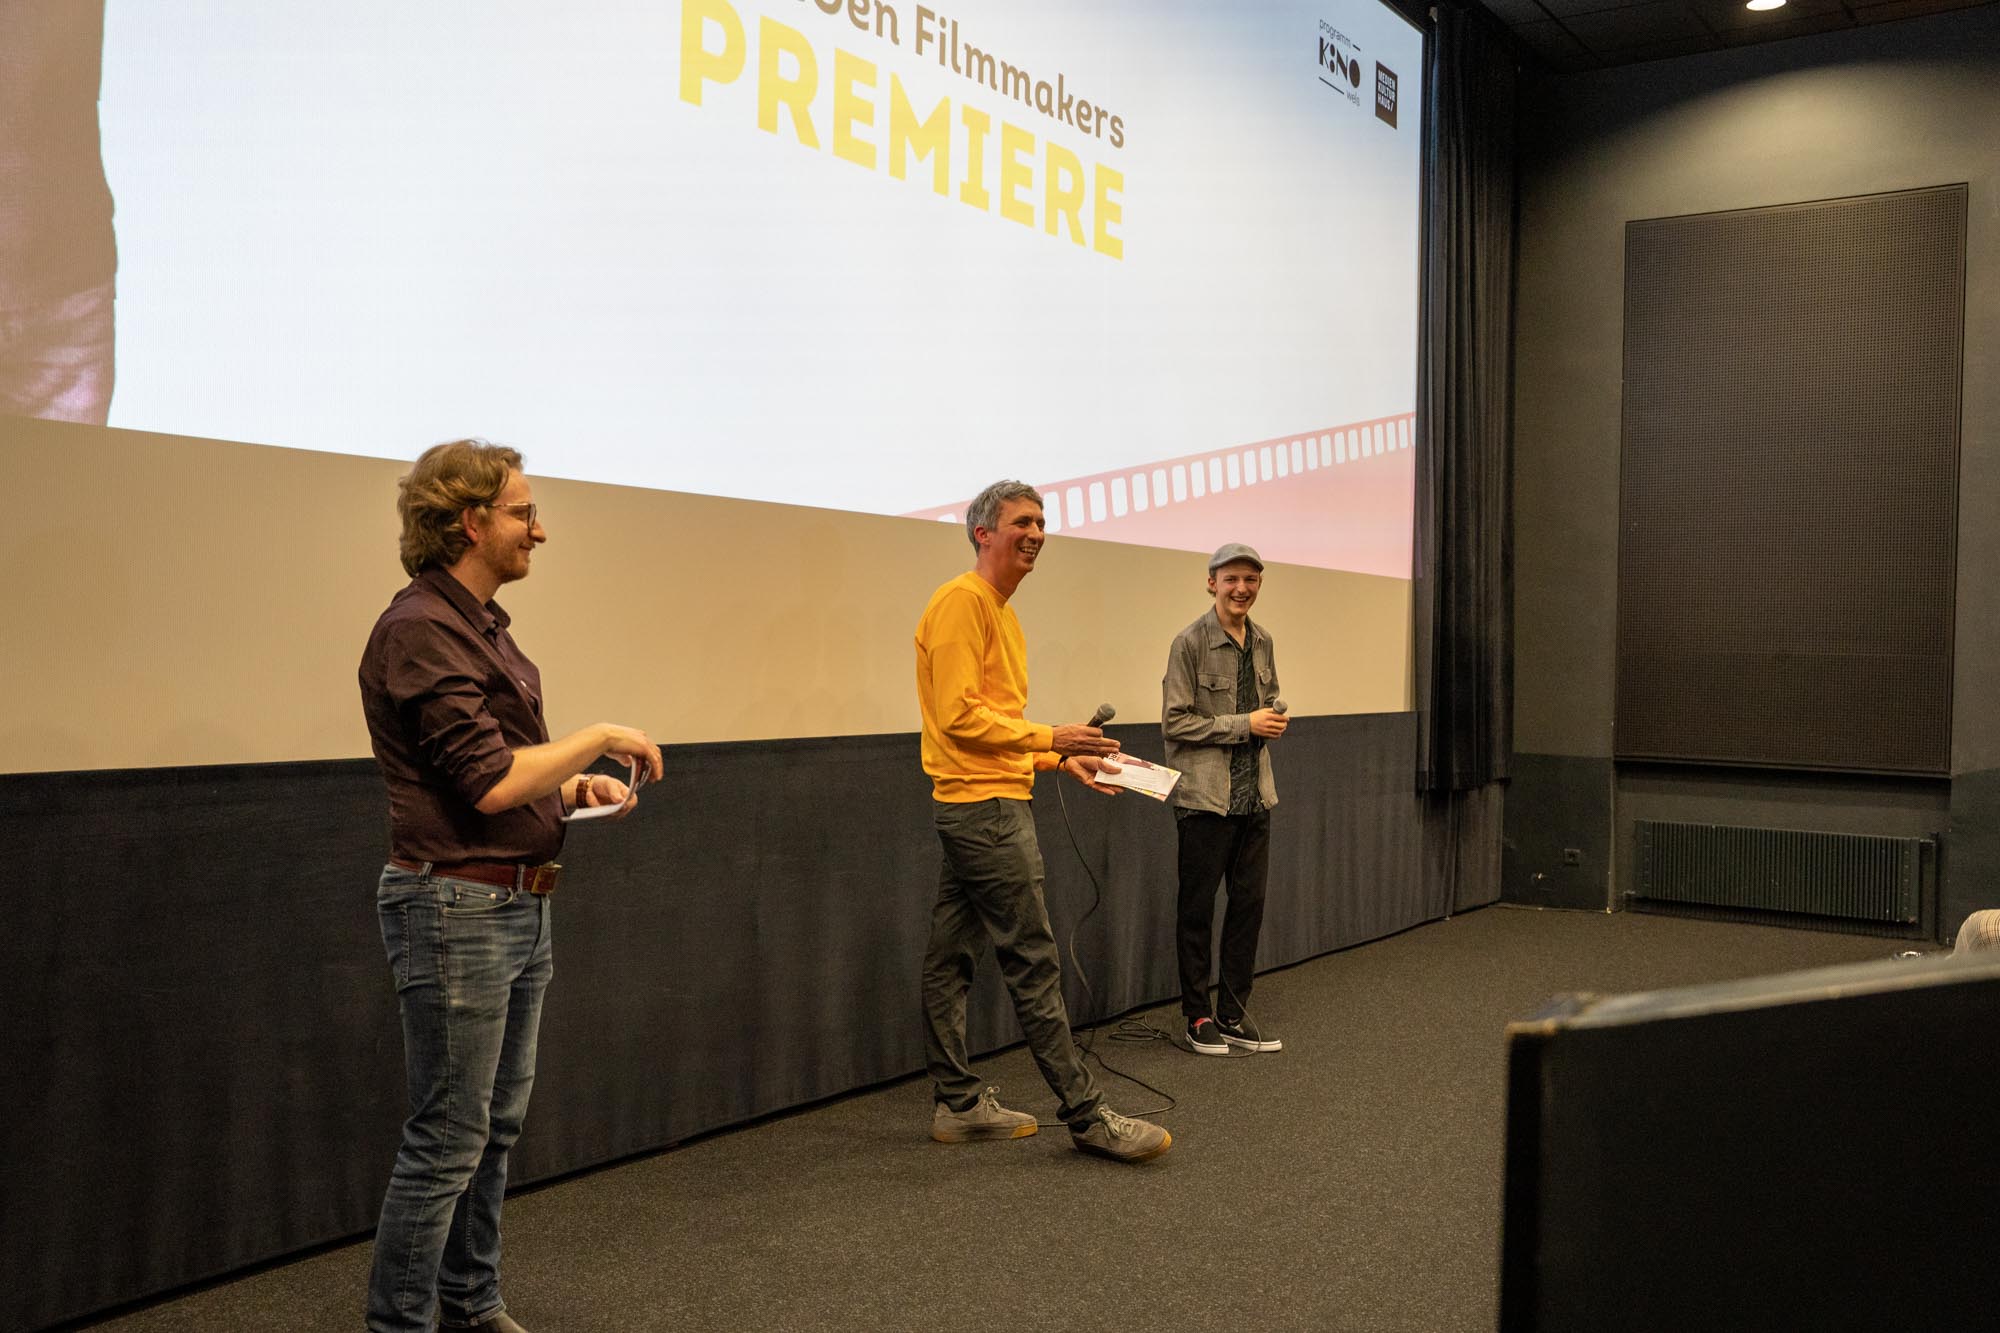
(787, 100)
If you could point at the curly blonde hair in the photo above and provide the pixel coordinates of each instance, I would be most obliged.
(447, 480)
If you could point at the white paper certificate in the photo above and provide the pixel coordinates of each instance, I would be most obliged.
(1154, 780)
(633, 781)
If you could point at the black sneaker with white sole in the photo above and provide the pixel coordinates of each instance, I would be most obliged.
(1242, 1033)
(1203, 1037)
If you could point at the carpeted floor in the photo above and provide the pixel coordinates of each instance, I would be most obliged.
(1350, 1182)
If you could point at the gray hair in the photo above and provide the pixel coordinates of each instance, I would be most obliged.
(984, 510)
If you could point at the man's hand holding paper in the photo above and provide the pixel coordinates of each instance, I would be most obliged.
(1154, 780)
(611, 799)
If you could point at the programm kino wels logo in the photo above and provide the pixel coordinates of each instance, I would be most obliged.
(1339, 62)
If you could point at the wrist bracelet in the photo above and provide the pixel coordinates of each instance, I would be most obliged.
(582, 787)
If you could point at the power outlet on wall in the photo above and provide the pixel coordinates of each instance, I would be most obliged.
(1572, 856)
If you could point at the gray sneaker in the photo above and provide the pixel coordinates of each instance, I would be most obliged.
(1122, 1138)
(987, 1119)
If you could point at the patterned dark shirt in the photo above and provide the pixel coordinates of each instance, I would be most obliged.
(1243, 758)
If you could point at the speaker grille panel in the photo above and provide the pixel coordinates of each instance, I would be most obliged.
(1789, 484)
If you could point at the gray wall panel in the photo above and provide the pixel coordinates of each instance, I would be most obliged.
(1893, 106)
(1972, 850)
(1558, 844)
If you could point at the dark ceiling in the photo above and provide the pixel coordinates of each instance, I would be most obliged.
(1572, 35)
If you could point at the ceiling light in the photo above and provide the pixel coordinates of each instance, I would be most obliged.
(1765, 4)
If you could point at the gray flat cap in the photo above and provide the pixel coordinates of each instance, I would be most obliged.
(1231, 553)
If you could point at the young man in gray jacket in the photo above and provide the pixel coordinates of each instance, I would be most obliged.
(1217, 714)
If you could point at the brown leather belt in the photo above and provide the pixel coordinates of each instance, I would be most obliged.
(540, 880)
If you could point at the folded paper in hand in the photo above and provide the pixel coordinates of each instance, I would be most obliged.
(635, 778)
(1154, 780)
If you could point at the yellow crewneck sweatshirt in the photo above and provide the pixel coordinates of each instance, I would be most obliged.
(972, 687)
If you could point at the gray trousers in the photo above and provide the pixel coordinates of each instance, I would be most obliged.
(990, 886)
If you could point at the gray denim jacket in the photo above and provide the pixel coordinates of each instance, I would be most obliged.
(1198, 712)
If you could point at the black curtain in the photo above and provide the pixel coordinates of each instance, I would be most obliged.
(202, 1063)
(1464, 541)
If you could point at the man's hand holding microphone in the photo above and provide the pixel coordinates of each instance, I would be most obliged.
(1270, 723)
(1087, 751)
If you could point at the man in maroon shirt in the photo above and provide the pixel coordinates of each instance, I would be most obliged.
(477, 797)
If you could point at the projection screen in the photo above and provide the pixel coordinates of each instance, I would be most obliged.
(761, 288)
(1161, 257)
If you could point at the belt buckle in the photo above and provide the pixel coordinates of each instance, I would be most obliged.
(541, 880)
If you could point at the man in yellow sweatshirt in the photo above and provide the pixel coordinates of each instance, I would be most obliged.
(982, 757)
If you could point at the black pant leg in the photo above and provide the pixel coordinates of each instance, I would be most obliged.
(1243, 918)
(1205, 842)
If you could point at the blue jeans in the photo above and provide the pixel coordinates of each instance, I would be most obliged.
(471, 962)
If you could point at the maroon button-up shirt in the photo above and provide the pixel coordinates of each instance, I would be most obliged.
(449, 698)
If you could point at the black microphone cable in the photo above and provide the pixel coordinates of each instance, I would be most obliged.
(1129, 1029)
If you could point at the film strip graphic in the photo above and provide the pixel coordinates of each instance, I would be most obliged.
(1339, 498)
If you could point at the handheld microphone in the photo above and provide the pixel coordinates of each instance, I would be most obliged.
(1104, 713)
(1280, 707)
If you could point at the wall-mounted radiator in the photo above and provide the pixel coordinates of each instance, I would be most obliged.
(1703, 869)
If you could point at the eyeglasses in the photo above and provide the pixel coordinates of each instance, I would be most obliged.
(524, 511)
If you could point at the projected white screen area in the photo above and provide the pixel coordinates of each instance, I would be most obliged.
(1157, 258)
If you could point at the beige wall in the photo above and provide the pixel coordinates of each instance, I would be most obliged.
(175, 601)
